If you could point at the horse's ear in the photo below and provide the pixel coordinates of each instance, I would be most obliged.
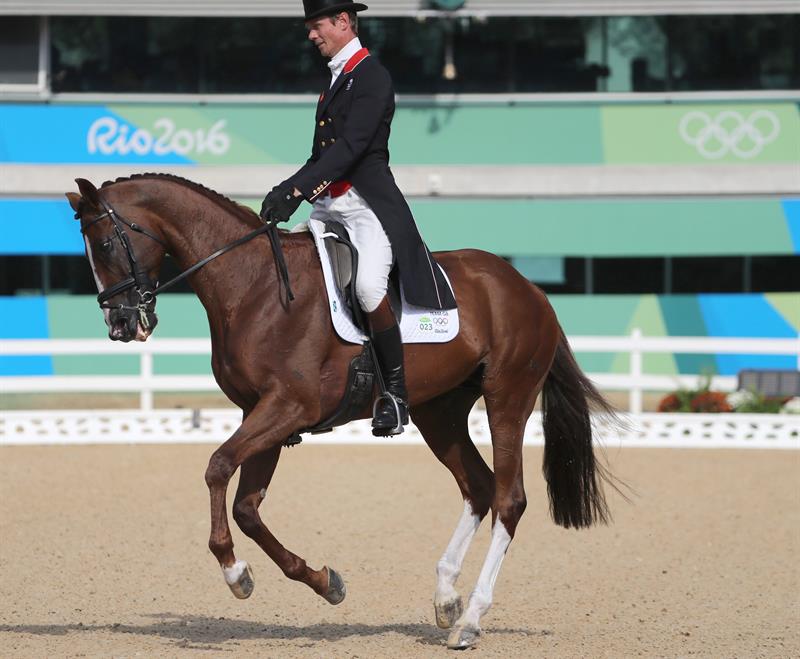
(74, 200)
(88, 191)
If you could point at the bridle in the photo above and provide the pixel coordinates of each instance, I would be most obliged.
(146, 289)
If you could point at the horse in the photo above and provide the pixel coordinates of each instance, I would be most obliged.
(276, 356)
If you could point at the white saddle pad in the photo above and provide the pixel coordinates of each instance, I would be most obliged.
(417, 325)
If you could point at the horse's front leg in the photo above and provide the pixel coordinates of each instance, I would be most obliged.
(254, 480)
(259, 432)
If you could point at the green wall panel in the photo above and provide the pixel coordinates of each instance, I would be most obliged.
(606, 227)
(600, 227)
(76, 317)
(496, 135)
(701, 134)
(788, 306)
(647, 317)
(608, 316)
(683, 317)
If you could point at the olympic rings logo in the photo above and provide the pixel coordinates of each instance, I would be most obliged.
(427, 324)
(729, 132)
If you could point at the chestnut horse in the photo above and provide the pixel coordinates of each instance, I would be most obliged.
(281, 362)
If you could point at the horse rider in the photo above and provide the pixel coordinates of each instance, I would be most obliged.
(347, 179)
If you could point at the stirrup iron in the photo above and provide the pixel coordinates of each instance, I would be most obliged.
(395, 402)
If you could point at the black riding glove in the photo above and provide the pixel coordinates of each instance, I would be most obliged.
(279, 204)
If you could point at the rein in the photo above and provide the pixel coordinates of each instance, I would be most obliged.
(141, 282)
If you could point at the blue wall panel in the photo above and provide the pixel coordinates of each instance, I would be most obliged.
(791, 208)
(35, 226)
(24, 318)
(58, 134)
(745, 315)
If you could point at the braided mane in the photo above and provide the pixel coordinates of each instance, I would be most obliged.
(213, 195)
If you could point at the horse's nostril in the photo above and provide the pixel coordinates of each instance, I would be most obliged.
(118, 330)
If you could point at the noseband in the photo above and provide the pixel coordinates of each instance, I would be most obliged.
(146, 289)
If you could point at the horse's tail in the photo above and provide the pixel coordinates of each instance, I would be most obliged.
(572, 473)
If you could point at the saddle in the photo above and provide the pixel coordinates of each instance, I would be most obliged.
(361, 373)
(343, 257)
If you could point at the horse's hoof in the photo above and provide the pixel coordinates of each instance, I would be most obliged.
(448, 612)
(336, 588)
(462, 638)
(239, 578)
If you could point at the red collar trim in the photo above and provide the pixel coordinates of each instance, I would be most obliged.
(355, 60)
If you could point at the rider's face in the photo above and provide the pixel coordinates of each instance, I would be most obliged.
(329, 34)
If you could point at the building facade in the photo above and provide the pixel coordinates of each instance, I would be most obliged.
(638, 160)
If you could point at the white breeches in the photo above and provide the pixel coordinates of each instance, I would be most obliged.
(367, 234)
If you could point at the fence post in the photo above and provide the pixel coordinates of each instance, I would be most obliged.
(798, 352)
(635, 400)
(146, 371)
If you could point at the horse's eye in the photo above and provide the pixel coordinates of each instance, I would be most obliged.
(106, 246)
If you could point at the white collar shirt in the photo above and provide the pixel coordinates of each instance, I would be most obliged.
(336, 65)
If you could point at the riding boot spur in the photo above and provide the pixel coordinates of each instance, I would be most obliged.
(390, 412)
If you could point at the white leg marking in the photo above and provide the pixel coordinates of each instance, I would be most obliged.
(481, 598)
(449, 566)
(233, 572)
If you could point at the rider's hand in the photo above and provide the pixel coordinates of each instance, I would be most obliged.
(279, 204)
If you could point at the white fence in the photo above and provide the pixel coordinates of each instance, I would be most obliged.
(146, 382)
(210, 426)
(147, 425)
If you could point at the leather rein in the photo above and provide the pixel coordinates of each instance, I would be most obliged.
(147, 289)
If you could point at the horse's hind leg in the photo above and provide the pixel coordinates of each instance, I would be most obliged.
(443, 424)
(256, 473)
(508, 409)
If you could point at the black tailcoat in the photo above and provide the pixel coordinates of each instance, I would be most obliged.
(351, 143)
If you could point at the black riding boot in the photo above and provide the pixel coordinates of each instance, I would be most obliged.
(389, 350)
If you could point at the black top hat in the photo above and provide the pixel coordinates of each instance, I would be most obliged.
(316, 8)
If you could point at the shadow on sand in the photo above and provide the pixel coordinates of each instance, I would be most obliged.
(202, 632)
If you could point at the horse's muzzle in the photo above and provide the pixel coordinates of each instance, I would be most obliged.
(122, 327)
(126, 326)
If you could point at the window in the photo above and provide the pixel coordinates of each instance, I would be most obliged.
(775, 273)
(39, 275)
(574, 278)
(708, 274)
(628, 275)
(19, 51)
(183, 55)
(734, 52)
(663, 276)
(637, 53)
(45, 274)
(488, 55)
(69, 274)
(21, 275)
